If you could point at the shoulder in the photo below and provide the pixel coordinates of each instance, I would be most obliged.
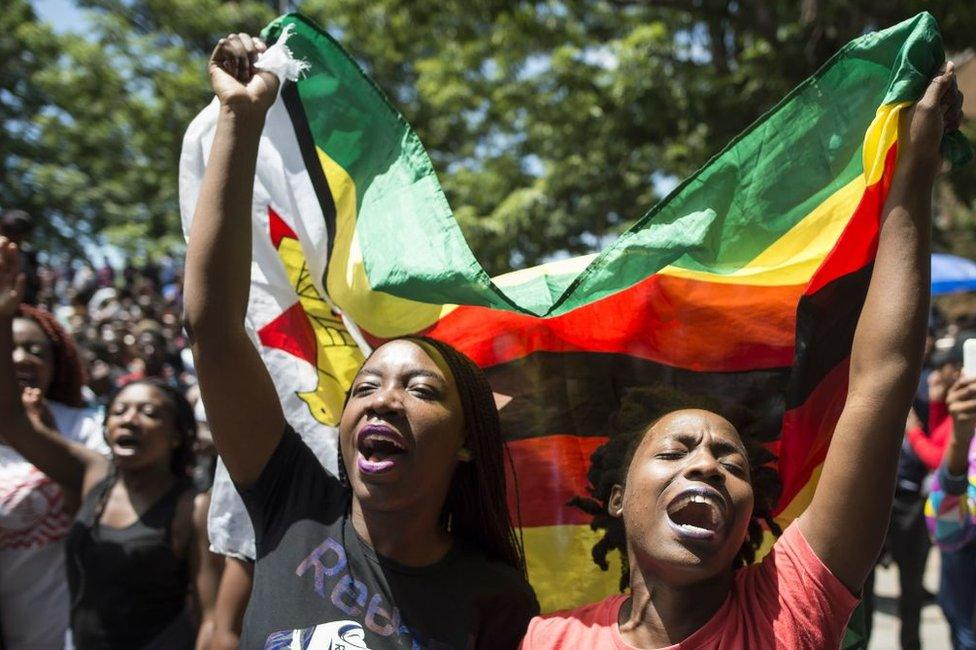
(791, 557)
(293, 486)
(579, 627)
(793, 593)
(189, 517)
(190, 505)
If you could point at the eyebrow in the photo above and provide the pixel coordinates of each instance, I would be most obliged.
(125, 402)
(724, 447)
(420, 372)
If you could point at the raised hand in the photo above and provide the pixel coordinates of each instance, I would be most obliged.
(12, 281)
(939, 111)
(235, 80)
(36, 408)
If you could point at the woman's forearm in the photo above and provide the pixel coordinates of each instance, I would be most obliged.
(62, 460)
(245, 415)
(218, 259)
(887, 351)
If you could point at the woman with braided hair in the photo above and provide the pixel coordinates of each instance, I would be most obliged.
(34, 512)
(682, 496)
(134, 552)
(411, 544)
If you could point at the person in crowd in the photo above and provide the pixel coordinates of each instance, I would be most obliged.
(34, 512)
(684, 497)
(134, 552)
(929, 446)
(411, 545)
(951, 515)
(150, 348)
(17, 226)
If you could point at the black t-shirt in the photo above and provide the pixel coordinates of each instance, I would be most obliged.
(318, 585)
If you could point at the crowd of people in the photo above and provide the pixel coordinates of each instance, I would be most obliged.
(107, 454)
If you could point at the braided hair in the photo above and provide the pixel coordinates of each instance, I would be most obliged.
(476, 508)
(640, 410)
(69, 374)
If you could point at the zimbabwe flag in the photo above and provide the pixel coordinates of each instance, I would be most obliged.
(745, 284)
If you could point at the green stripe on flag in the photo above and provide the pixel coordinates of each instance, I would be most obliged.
(742, 201)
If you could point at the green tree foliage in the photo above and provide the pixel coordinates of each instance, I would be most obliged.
(96, 139)
(553, 124)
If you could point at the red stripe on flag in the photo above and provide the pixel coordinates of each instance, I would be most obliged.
(700, 326)
(858, 243)
(807, 430)
(549, 471)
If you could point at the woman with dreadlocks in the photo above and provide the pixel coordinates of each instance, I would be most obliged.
(34, 512)
(136, 545)
(684, 497)
(411, 545)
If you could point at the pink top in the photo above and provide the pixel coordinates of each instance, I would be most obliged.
(788, 600)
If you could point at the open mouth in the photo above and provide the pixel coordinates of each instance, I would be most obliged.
(26, 379)
(697, 514)
(126, 443)
(379, 448)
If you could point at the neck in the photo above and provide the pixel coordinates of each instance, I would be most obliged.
(658, 614)
(406, 536)
(147, 480)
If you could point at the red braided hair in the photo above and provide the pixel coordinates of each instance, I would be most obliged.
(69, 375)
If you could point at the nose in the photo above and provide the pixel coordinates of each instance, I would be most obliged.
(703, 466)
(386, 399)
(129, 415)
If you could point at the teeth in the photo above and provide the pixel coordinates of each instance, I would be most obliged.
(713, 509)
(370, 441)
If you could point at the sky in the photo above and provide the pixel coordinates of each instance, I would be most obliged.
(62, 14)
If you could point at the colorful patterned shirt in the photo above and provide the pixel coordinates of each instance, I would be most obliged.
(950, 511)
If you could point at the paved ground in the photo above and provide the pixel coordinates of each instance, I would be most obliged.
(935, 632)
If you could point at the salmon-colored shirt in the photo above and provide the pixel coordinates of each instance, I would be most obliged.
(788, 600)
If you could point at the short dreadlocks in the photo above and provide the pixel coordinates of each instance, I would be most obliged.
(640, 409)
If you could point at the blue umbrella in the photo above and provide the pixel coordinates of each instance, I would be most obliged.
(951, 274)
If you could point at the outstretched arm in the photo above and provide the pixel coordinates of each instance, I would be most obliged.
(243, 410)
(847, 518)
(32, 431)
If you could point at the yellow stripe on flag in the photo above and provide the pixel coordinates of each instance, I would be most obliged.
(560, 568)
(794, 257)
